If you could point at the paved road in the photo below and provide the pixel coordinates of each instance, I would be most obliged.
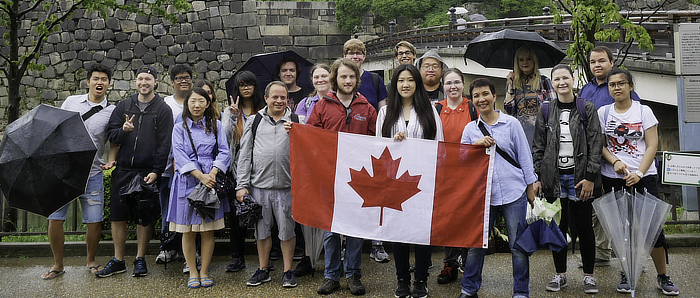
(20, 278)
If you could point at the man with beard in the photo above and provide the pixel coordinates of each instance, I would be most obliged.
(431, 66)
(343, 110)
(142, 126)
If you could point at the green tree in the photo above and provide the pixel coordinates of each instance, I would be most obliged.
(498, 9)
(587, 20)
(13, 13)
(349, 13)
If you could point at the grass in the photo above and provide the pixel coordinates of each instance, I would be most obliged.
(40, 238)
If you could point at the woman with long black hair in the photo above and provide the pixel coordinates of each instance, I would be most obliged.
(409, 114)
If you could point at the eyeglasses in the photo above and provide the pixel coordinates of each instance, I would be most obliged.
(614, 85)
(181, 79)
(355, 53)
(456, 83)
(245, 85)
(431, 66)
(406, 53)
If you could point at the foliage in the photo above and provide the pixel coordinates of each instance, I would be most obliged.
(349, 13)
(588, 19)
(14, 14)
(427, 13)
(498, 9)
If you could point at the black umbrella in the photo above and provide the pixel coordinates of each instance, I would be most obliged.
(249, 212)
(205, 201)
(141, 199)
(45, 159)
(477, 17)
(497, 49)
(264, 66)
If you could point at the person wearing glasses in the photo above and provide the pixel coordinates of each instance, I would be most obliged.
(371, 84)
(170, 243)
(245, 101)
(405, 52)
(431, 66)
(344, 110)
(631, 140)
(526, 90)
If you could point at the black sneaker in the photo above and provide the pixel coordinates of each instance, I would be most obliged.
(666, 285)
(140, 268)
(258, 278)
(113, 267)
(236, 265)
(288, 279)
(270, 266)
(298, 254)
(328, 286)
(448, 274)
(355, 285)
(403, 288)
(623, 286)
(304, 267)
(420, 289)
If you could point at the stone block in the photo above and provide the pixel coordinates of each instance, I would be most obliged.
(213, 76)
(185, 28)
(191, 17)
(81, 34)
(249, 6)
(219, 34)
(113, 23)
(215, 45)
(77, 45)
(67, 25)
(203, 15)
(63, 95)
(26, 80)
(98, 23)
(192, 57)
(200, 26)
(122, 85)
(93, 45)
(124, 45)
(84, 24)
(48, 94)
(140, 49)
(181, 58)
(54, 38)
(208, 56)
(274, 30)
(181, 39)
(228, 65)
(188, 48)
(40, 83)
(227, 45)
(175, 49)
(159, 30)
(270, 49)
(208, 35)
(54, 58)
(47, 48)
(318, 40)
(240, 33)
(329, 29)
(30, 92)
(150, 42)
(70, 55)
(141, 19)
(202, 45)
(109, 62)
(303, 30)
(214, 11)
(84, 55)
(149, 58)
(253, 32)
(167, 40)
(295, 21)
(201, 67)
(127, 55)
(128, 26)
(61, 47)
(325, 52)
(146, 29)
(65, 37)
(302, 51)
(236, 7)
(248, 46)
(135, 37)
(223, 57)
(161, 51)
(277, 40)
(215, 23)
(168, 60)
(76, 64)
(174, 30)
(199, 5)
(239, 20)
(107, 44)
(337, 39)
(224, 10)
(121, 36)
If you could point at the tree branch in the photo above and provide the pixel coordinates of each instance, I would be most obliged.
(564, 6)
(28, 10)
(4, 58)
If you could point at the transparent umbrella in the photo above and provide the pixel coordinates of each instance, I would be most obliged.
(633, 222)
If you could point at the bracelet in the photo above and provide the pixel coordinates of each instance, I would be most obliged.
(614, 162)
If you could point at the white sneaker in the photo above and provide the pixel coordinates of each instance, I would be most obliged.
(165, 256)
(379, 254)
(558, 282)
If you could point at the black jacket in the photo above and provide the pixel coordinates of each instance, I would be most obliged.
(145, 148)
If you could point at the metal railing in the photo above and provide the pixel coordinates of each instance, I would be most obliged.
(659, 25)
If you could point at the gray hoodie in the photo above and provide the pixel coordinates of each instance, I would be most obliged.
(432, 54)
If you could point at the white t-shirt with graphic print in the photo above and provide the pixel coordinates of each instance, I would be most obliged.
(624, 136)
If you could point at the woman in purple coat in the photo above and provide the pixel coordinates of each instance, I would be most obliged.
(201, 131)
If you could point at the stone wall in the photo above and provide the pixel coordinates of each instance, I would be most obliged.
(214, 37)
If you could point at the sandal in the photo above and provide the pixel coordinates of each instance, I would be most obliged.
(55, 273)
(193, 283)
(207, 282)
(95, 269)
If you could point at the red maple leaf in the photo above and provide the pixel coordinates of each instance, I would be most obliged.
(384, 190)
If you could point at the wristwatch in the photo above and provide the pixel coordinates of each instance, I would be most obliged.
(639, 173)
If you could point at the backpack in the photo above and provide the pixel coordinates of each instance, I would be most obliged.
(472, 109)
(580, 107)
(258, 118)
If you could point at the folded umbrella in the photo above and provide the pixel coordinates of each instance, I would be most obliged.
(45, 160)
(249, 212)
(205, 201)
(141, 199)
(539, 235)
(313, 239)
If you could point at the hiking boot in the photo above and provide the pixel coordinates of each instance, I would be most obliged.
(403, 288)
(420, 289)
(623, 286)
(165, 256)
(558, 282)
(236, 265)
(355, 285)
(448, 274)
(260, 276)
(113, 267)
(304, 267)
(288, 279)
(140, 268)
(666, 285)
(328, 286)
(379, 254)
(589, 286)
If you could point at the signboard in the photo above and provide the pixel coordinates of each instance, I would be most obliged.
(681, 169)
(687, 48)
(691, 94)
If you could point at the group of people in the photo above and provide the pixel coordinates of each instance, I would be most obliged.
(550, 142)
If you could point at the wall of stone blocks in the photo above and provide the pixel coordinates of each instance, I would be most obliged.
(214, 37)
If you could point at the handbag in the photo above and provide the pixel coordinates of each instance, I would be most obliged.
(225, 182)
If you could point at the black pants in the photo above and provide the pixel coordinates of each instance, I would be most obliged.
(401, 259)
(237, 244)
(578, 214)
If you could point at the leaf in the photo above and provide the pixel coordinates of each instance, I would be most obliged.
(372, 189)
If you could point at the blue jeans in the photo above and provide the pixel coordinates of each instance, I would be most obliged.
(91, 202)
(513, 212)
(353, 255)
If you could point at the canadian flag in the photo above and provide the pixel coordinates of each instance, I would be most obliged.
(412, 191)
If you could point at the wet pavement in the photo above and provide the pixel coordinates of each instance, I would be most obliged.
(20, 277)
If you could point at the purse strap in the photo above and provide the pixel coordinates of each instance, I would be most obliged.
(500, 151)
(215, 151)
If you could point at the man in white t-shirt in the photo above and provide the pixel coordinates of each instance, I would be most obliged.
(181, 78)
(95, 111)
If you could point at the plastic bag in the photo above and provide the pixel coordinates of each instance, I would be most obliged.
(543, 210)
